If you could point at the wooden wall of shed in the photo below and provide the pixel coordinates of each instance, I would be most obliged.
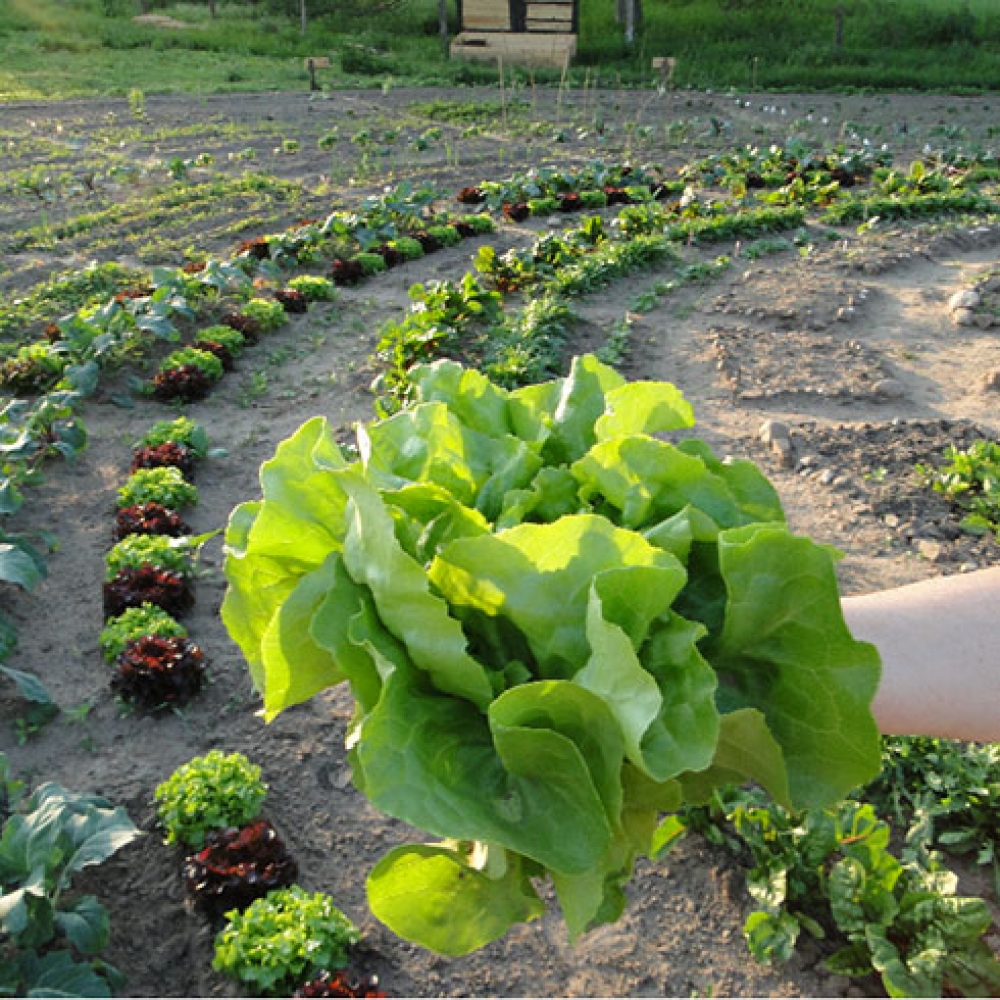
(546, 16)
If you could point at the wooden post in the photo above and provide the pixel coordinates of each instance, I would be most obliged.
(303, 17)
(313, 63)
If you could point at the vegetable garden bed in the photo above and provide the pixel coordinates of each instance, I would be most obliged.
(847, 481)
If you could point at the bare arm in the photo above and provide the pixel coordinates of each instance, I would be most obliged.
(940, 647)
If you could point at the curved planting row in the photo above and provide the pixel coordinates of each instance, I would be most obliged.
(273, 935)
(149, 574)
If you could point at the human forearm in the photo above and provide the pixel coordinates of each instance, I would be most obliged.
(940, 647)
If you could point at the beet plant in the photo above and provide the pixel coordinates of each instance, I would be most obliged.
(558, 627)
(209, 793)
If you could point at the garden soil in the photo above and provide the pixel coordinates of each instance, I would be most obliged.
(849, 346)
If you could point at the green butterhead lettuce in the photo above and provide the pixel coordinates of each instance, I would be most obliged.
(557, 626)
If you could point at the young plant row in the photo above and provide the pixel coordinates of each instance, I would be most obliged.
(467, 319)
(970, 478)
(547, 190)
(51, 937)
(272, 936)
(149, 572)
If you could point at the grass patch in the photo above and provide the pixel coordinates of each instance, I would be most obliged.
(67, 48)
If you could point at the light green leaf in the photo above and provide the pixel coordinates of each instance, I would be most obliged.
(643, 408)
(786, 651)
(746, 751)
(538, 577)
(295, 666)
(400, 587)
(438, 763)
(433, 897)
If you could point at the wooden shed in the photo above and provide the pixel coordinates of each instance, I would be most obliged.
(520, 32)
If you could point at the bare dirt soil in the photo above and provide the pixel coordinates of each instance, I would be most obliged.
(851, 346)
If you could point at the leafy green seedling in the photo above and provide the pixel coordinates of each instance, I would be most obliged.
(172, 554)
(268, 313)
(165, 486)
(209, 793)
(284, 940)
(183, 430)
(135, 623)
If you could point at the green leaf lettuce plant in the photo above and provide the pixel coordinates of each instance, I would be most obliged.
(557, 625)
(284, 939)
(209, 793)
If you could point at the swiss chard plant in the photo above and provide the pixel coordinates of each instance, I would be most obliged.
(831, 873)
(557, 627)
(971, 479)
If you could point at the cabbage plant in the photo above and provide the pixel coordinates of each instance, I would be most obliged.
(561, 620)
